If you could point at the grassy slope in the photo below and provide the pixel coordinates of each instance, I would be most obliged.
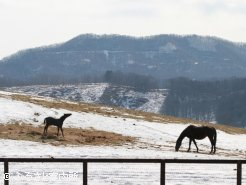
(119, 112)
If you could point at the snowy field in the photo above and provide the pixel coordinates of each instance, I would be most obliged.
(155, 140)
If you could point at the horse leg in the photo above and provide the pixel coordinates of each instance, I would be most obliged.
(214, 147)
(57, 131)
(189, 146)
(45, 129)
(62, 132)
(195, 145)
(212, 144)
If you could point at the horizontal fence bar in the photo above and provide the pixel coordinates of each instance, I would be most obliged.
(205, 161)
(78, 160)
(121, 160)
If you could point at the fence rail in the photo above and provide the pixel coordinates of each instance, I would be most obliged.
(85, 162)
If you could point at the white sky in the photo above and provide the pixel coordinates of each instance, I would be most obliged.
(32, 23)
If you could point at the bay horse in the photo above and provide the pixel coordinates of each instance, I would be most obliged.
(193, 132)
(56, 122)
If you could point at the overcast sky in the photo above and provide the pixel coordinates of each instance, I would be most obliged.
(32, 23)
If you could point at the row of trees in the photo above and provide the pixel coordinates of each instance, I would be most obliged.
(49, 80)
(223, 101)
(140, 82)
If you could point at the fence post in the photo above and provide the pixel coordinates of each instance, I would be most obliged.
(85, 180)
(163, 173)
(6, 171)
(239, 173)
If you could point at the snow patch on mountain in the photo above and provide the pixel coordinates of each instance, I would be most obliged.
(202, 43)
(89, 93)
(168, 48)
(122, 96)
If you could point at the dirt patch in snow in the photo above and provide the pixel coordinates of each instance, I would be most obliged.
(73, 136)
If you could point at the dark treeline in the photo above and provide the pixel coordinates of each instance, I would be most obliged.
(6, 82)
(137, 81)
(223, 101)
(50, 80)
(140, 82)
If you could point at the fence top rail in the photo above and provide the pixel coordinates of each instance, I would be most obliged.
(123, 160)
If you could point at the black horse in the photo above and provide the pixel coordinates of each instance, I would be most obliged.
(56, 122)
(193, 132)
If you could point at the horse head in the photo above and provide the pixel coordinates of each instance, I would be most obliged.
(178, 144)
(67, 115)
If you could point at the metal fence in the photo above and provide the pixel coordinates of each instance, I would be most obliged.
(84, 163)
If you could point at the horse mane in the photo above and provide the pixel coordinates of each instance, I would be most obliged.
(183, 134)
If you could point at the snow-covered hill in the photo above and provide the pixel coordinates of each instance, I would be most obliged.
(154, 140)
(102, 93)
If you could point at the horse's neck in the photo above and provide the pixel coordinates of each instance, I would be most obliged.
(182, 135)
(63, 118)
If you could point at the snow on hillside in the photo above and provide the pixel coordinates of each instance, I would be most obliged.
(89, 93)
(121, 96)
(155, 140)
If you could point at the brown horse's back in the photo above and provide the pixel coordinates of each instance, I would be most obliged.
(199, 132)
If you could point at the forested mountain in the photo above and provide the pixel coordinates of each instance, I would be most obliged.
(86, 58)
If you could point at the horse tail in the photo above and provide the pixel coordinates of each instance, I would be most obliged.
(44, 121)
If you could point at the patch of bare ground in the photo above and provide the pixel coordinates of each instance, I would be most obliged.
(73, 136)
(120, 112)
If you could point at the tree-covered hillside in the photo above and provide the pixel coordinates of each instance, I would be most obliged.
(222, 101)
